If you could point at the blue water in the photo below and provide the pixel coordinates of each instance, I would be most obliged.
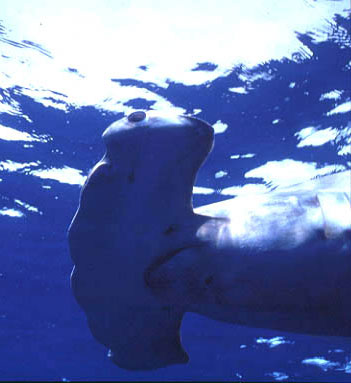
(280, 121)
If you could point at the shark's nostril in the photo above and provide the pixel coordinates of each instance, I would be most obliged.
(137, 116)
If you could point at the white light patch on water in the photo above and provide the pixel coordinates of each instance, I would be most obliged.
(332, 95)
(249, 78)
(289, 172)
(346, 368)
(10, 106)
(219, 127)
(278, 376)
(274, 122)
(244, 190)
(221, 174)
(196, 111)
(65, 175)
(27, 206)
(170, 38)
(273, 342)
(11, 213)
(337, 350)
(240, 90)
(345, 150)
(12, 166)
(98, 91)
(292, 85)
(10, 134)
(202, 190)
(320, 362)
(344, 141)
(45, 101)
(342, 108)
(305, 132)
(237, 156)
(316, 137)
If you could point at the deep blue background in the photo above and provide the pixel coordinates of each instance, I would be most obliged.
(43, 333)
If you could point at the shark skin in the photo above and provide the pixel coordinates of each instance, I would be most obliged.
(143, 257)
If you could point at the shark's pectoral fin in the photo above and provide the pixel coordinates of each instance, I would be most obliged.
(156, 345)
(141, 334)
(139, 337)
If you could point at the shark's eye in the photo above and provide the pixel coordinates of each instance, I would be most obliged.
(137, 116)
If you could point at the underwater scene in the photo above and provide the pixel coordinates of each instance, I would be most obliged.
(273, 80)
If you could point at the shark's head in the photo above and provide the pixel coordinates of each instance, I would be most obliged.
(156, 142)
(152, 153)
(141, 188)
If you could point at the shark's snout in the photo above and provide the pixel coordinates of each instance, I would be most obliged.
(201, 128)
